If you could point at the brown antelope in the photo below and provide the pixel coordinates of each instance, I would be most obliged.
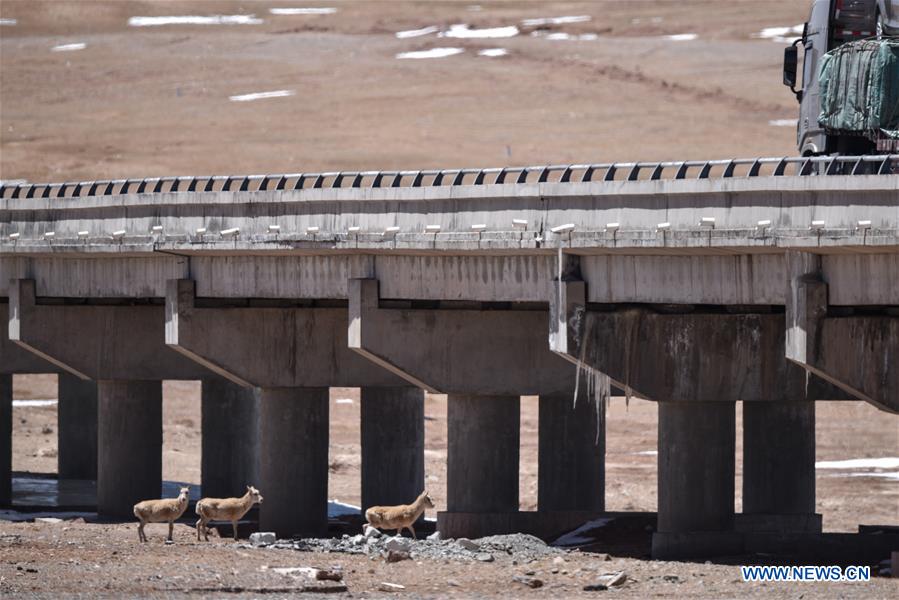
(399, 517)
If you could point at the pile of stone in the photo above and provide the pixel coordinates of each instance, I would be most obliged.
(518, 548)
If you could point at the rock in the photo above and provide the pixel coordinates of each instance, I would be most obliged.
(385, 586)
(398, 544)
(357, 540)
(263, 538)
(671, 578)
(397, 556)
(484, 557)
(46, 452)
(468, 544)
(51, 520)
(371, 532)
(558, 560)
(169, 542)
(435, 537)
(596, 587)
(613, 579)
(531, 582)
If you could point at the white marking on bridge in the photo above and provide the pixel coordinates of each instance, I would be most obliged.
(432, 53)
(195, 20)
(261, 96)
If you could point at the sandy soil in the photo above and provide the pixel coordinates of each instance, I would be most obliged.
(155, 101)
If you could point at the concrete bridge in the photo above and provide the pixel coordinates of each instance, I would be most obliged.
(695, 285)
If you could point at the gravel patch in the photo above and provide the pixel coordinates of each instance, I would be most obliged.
(517, 548)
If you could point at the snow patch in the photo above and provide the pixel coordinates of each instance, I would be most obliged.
(303, 11)
(558, 36)
(783, 122)
(577, 537)
(682, 37)
(344, 401)
(462, 31)
(32, 403)
(781, 35)
(886, 462)
(432, 53)
(69, 47)
(493, 52)
(194, 20)
(411, 33)
(881, 474)
(556, 20)
(8, 21)
(261, 95)
(336, 508)
(19, 517)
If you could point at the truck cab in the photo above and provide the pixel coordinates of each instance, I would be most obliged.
(832, 23)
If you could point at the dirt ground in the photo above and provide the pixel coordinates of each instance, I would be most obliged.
(153, 101)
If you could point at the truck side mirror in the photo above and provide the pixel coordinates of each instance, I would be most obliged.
(791, 61)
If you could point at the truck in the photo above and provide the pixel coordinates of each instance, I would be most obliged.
(850, 71)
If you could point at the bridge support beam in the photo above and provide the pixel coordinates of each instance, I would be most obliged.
(5, 440)
(485, 360)
(481, 464)
(393, 444)
(230, 438)
(129, 434)
(571, 454)
(853, 352)
(779, 468)
(293, 459)
(696, 481)
(76, 428)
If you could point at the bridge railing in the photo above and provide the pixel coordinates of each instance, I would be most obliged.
(627, 171)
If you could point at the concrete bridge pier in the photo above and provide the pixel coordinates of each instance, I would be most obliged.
(5, 440)
(779, 468)
(293, 459)
(76, 428)
(482, 463)
(129, 435)
(230, 438)
(393, 443)
(571, 454)
(696, 481)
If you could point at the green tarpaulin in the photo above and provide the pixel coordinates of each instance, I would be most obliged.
(860, 88)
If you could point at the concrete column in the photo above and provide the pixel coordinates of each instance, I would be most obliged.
(230, 438)
(393, 445)
(129, 436)
(77, 428)
(5, 440)
(293, 460)
(779, 466)
(482, 454)
(696, 480)
(572, 447)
